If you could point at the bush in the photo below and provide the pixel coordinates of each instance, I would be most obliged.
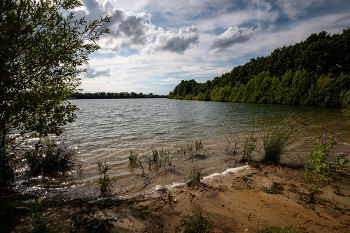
(50, 157)
(6, 168)
(317, 171)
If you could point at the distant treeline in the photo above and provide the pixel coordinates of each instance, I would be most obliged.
(113, 95)
(313, 72)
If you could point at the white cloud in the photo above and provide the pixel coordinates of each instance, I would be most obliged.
(167, 41)
(296, 8)
(232, 36)
(156, 43)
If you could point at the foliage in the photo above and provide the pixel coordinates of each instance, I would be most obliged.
(159, 159)
(43, 47)
(276, 188)
(195, 177)
(196, 224)
(15, 211)
(249, 146)
(105, 180)
(276, 140)
(94, 220)
(311, 72)
(133, 158)
(317, 171)
(275, 229)
(49, 157)
(10, 215)
(114, 95)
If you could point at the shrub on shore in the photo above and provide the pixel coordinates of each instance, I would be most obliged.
(317, 171)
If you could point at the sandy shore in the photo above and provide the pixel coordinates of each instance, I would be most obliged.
(233, 203)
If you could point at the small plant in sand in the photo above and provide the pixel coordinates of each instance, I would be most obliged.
(276, 188)
(105, 180)
(317, 171)
(196, 223)
(195, 177)
(249, 146)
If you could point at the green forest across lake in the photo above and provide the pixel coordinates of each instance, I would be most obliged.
(314, 72)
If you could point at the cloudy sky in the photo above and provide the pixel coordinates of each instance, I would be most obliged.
(154, 44)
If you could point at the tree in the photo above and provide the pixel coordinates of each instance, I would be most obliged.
(42, 50)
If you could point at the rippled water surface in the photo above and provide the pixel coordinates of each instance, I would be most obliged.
(106, 130)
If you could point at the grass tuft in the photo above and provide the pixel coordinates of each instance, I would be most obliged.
(195, 178)
(277, 139)
(50, 157)
(196, 224)
(275, 229)
(276, 188)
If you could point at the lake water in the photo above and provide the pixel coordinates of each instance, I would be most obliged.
(106, 130)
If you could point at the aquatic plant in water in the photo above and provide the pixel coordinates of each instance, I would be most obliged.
(277, 139)
(105, 180)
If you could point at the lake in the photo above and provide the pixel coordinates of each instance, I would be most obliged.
(107, 130)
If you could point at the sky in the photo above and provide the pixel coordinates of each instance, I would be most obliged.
(154, 44)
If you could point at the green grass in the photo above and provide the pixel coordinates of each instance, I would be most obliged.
(196, 223)
(275, 229)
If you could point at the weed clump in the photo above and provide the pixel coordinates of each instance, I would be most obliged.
(275, 229)
(196, 224)
(276, 188)
(195, 178)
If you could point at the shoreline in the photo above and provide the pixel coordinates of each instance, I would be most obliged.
(235, 202)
